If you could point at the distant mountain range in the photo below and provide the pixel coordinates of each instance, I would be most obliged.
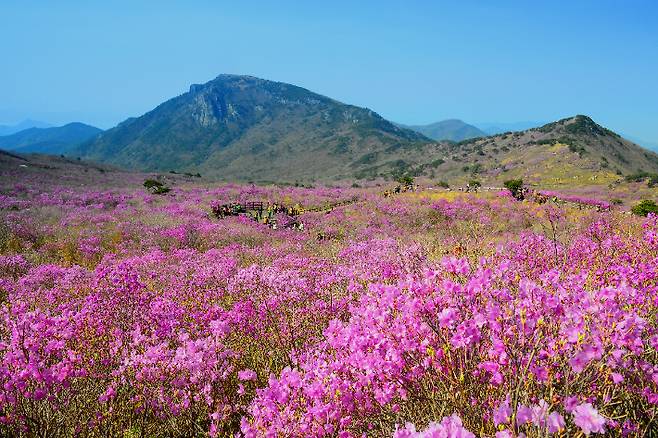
(25, 124)
(53, 141)
(242, 128)
(452, 129)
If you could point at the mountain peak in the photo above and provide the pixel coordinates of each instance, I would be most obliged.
(225, 78)
(579, 125)
(450, 129)
(236, 77)
(583, 118)
(247, 128)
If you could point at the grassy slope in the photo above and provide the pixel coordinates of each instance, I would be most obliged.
(569, 152)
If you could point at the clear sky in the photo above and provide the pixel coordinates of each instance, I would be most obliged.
(411, 61)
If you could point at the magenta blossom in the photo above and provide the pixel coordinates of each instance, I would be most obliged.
(246, 375)
(588, 419)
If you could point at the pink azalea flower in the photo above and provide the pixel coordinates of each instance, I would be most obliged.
(570, 403)
(540, 413)
(107, 395)
(523, 415)
(588, 419)
(246, 375)
(451, 427)
(617, 378)
(555, 422)
(503, 413)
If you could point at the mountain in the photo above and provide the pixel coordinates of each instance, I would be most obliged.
(493, 128)
(571, 151)
(243, 128)
(55, 141)
(25, 124)
(246, 128)
(452, 129)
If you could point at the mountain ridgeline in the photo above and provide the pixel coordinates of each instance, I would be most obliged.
(25, 124)
(245, 128)
(242, 128)
(571, 151)
(452, 129)
(52, 141)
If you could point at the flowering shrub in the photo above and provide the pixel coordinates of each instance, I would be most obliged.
(484, 341)
(128, 314)
(578, 199)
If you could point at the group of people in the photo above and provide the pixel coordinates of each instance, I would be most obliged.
(401, 188)
(232, 209)
(263, 214)
(536, 196)
(472, 188)
(267, 216)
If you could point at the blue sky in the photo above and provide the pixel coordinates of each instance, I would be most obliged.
(412, 61)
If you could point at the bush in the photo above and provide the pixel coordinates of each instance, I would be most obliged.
(160, 190)
(437, 162)
(474, 183)
(645, 207)
(156, 187)
(443, 184)
(406, 180)
(653, 181)
(515, 186)
(652, 178)
(637, 177)
(152, 183)
(577, 149)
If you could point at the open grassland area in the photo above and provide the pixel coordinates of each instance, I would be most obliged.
(431, 313)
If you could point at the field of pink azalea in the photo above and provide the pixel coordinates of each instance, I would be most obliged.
(428, 314)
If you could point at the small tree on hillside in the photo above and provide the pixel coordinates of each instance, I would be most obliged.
(406, 180)
(156, 187)
(653, 181)
(151, 183)
(515, 186)
(645, 207)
